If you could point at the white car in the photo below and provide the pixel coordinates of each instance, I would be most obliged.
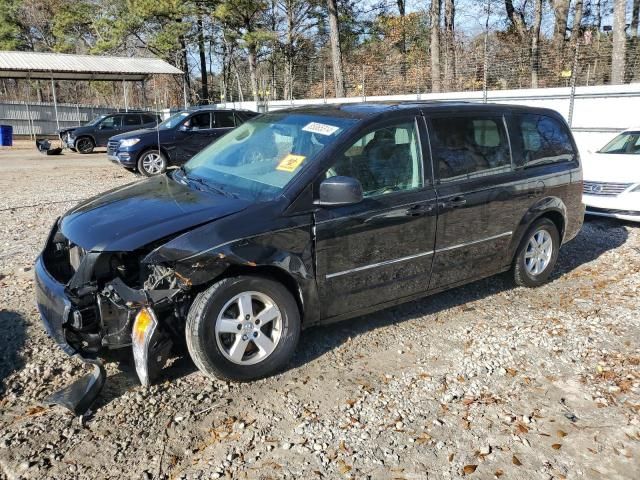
(612, 178)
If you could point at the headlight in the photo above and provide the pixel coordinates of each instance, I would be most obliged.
(129, 142)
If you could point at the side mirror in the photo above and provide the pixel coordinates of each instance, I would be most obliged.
(339, 191)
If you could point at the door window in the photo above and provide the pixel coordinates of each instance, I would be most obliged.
(112, 122)
(131, 120)
(148, 119)
(224, 120)
(469, 146)
(384, 160)
(200, 121)
(544, 140)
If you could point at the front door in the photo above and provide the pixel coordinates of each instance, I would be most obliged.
(380, 249)
(110, 126)
(477, 193)
(194, 135)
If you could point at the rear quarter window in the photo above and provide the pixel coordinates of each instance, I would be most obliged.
(543, 140)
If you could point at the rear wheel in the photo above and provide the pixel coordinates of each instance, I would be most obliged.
(243, 328)
(85, 145)
(537, 254)
(152, 162)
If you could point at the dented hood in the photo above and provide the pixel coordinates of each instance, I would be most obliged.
(135, 215)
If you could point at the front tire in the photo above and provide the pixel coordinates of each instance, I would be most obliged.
(84, 145)
(151, 163)
(537, 254)
(243, 328)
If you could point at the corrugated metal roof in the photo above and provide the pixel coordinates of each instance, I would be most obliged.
(80, 67)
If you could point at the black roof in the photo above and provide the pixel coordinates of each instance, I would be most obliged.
(361, 110)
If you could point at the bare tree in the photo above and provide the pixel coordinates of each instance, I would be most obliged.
(535, 42)
(204, 93)
(436, 7)
(619, 41)
(635, 18)
(336, 51)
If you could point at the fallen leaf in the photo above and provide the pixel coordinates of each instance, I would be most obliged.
(469, 469)
(516, 461)
(521, 428)
(451, 457)
(499, 473)
(343, 467)
(556, 446)
(35, 410)
(561, 433)
(512, 372)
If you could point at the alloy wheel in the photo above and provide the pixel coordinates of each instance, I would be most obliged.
(153, 163)
(538, 252)
(84, 145)
(248, 328)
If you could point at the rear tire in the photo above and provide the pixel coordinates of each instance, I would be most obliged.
(151, 163)
(84, 145)
(243, 328)
(537, 254)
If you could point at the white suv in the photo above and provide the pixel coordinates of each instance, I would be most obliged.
(612, 178)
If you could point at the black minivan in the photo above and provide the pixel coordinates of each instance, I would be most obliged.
(304, 216)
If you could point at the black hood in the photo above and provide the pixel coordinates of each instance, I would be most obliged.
(135, 215)
(136, 134)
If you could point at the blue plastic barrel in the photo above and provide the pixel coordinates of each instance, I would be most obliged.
(6, 135)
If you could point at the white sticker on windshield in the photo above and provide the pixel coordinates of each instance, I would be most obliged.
(320, 128)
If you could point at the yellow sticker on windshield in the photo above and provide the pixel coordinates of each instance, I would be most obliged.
(290, 162)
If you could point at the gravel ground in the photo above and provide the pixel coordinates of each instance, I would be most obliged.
(485, 381)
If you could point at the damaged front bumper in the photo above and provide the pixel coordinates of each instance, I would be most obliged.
(55, 310)
(86, 318)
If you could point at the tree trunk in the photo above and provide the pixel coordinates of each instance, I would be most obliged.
(535, 42)
(516, 19)
(450, 51)
(288, 55)
(561, 12)
(252, 58)
(336, 51)
(204, 93)
(635, 18)
(403, 38)
(436, 84)
(184, 65)
(577, 21)
(619, 42)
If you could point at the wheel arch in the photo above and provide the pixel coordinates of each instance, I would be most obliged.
(552, 208)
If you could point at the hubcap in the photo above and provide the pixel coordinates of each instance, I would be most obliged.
(152, 163)
(538, 252)
(248, 328)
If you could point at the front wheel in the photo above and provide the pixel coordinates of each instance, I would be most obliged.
(152, 162)
(84, 145)
(243, 328)
(537, 254)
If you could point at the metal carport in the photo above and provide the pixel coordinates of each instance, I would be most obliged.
(61, 66)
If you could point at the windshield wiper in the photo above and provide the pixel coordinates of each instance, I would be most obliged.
(204, 183)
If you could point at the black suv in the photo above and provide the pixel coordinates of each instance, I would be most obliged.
(96, 133)
(175, 140)
(306, 216)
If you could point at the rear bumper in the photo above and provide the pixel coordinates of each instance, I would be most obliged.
(53, 305)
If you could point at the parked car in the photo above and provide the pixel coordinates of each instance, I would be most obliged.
(307, 216)
(96, 133)
(612, 178)
(175, 140)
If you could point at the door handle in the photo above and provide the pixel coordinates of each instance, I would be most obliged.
(455, 202)
(420, 209)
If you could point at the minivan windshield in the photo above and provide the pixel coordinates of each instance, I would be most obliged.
(625, 143)
(259, 158)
